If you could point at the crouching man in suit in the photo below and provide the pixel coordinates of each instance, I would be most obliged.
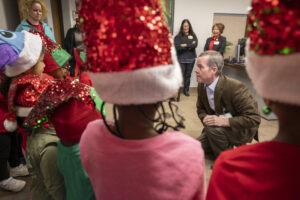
(225, 107)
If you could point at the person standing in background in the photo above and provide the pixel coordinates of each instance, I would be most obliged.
(185, 43)
(216, 42)
(36, 11)
(73, 40)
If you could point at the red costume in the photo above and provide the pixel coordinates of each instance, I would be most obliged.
(22, 95)
(263, 171)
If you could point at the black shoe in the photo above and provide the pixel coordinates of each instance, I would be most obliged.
(186, 94)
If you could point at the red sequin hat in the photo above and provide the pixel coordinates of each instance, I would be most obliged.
(129, 51)
(24, 91)
(69, 106)
(273, 54)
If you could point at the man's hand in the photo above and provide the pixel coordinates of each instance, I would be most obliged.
(213, 120)
(183, 45)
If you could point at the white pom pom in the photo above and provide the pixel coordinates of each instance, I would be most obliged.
(10, 126)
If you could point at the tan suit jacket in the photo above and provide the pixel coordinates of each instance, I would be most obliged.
(232, 96)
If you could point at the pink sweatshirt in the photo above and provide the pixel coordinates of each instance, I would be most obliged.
(168, 166)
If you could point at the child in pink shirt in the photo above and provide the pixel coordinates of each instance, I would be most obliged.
(166, 166)
(137, 156)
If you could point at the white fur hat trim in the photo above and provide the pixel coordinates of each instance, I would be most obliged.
(10, 126)
(275, 77)
(142, 86)
(28, 56)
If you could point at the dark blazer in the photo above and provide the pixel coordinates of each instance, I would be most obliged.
(220, 47)
(232, 96)
(187, 52)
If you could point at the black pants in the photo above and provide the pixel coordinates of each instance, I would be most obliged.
(9, 151)
(215, 139)
(72, 68)
(186, 69)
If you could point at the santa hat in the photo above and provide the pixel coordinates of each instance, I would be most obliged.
(129, 50)
(32, 86)
(273, 51)
(28, 47)
(69, 105)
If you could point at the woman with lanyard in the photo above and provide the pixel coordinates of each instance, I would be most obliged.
(216, 42)
(185, 43)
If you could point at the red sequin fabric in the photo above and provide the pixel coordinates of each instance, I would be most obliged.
(47, 42)
(25, 91)
(274, 26)
(56, 94)
(124, 35)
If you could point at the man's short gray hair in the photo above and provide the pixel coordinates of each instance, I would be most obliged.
(215, 60)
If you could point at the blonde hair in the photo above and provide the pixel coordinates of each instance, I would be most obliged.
(27, 6)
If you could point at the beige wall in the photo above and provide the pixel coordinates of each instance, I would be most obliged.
(68, 6)
(235, 26)
(9, 15)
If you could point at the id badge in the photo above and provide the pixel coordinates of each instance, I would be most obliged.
(216, 43)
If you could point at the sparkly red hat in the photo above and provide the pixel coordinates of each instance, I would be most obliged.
(69, 106)
(129, 51)
(273, 54)
(22, 95)
(71, 118)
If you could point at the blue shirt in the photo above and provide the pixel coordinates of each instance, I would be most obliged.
(210, 91)
(27, 27)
